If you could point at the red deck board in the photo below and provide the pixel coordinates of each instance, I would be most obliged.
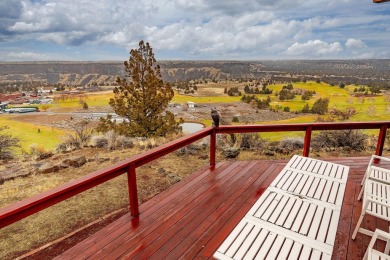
(355, 247)
(201, 224)
(192, 218)
(192, 210)
(183, 228)
(171, 218)
(200, 237)
(188, 213)
(129, 224)
(170, 211)
(218, 237)
(345, 228)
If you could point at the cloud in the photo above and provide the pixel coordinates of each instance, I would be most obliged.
(23, 56)
(10, 9)
(353, 44)
(233, 7)
(316, 48)
(200, 29)
(64, 21)
(360, 50)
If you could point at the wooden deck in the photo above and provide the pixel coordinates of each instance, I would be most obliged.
(192, 218)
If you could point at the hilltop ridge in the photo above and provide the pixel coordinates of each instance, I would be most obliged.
(106, 72)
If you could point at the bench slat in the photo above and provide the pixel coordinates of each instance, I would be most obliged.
(284, 251)
(276, 247)
(252, 252)
(247, 242)
(333, 228)
(279, 209)
(239, 240)
(317, 223)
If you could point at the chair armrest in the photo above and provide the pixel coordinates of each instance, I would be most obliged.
(380, 158)
(382, 235)
(378, 234)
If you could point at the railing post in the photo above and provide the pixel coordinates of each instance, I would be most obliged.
(133, 194)
(306, 144)
(381, 140)
(213, 147)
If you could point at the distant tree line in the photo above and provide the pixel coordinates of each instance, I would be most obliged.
(256, 90)
(366, 90)
(186, 86)
(232, 91)
(256, 102)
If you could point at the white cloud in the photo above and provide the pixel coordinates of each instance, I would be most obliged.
(233, 7)
(354, 44)
(360, 50)
(24, 56)
(316, 48)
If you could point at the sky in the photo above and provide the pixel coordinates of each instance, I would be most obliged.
(106, 30)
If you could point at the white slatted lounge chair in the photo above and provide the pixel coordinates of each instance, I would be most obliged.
(376, 173)
(376, 202)
(372, 253)
(295, 218)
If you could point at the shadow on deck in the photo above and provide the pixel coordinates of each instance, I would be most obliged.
(193, 217)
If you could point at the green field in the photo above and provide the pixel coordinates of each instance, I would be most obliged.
(371, 109)
(48, 137)
(339, 99)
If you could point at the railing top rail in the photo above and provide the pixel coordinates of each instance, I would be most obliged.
(301, 127)
(26, 207)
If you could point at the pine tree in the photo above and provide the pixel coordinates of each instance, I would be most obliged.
(320, 106)
(142, 98)
(306, 108)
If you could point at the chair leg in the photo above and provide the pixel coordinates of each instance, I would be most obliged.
(387, 249)
(361, 192)
(365, 257)
(358, 226)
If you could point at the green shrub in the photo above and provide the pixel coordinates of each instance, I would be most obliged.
(332, 139)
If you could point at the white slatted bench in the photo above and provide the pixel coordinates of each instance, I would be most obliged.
(295, 218)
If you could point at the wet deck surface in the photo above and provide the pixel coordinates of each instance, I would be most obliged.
(193, 217)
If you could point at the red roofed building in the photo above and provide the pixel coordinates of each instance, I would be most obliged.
(10, 97)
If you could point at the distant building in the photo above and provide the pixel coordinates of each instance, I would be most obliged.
(10, 97)
(44, 90)
(19, 101)
(3, 105)
(191, 105)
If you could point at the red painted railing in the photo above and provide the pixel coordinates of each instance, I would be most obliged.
(29, 206)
